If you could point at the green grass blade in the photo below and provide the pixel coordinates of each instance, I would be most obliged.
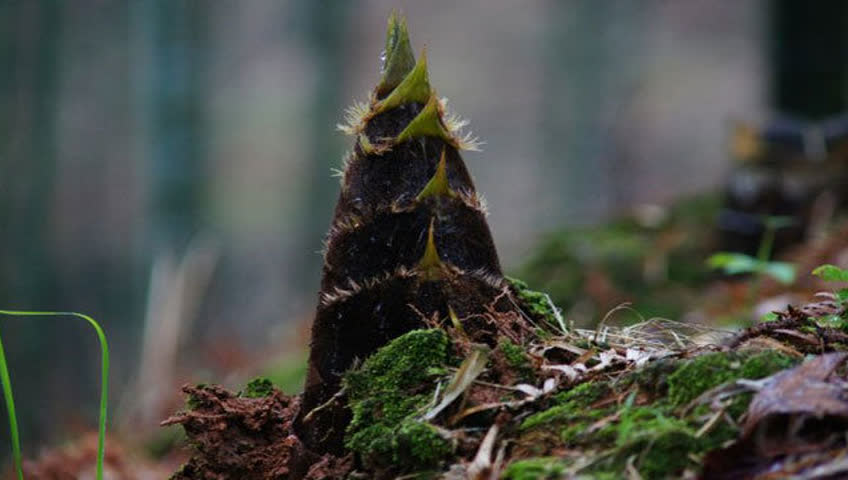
(10, 408)
(104, 377)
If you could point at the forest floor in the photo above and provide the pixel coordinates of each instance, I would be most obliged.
(653, 366)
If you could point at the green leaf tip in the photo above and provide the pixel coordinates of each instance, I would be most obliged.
(430, 266)
(831, 273)
(428, 123)
(438, 185)
(455, 321)
(415, 87)
(399, 58)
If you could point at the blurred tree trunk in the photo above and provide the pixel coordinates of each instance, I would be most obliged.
(323, 29)
(170, 40)
(30, 37)
(584, 59)
(575, 60)
(810, 57)
(175, 39)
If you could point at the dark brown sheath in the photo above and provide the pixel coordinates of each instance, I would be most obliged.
(408, 242)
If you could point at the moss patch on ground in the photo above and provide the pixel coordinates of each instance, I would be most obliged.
(708, 371)
(386, 396)
(572, 406)
(643, 417)
(258, 388)
(662, 418)
(535, 469)
(516, 359)
(538, 304)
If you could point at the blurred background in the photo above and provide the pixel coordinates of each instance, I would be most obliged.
(165, 166)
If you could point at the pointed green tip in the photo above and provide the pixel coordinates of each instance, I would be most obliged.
(454, 318)
(392, 31)
(430, 265)
(428, 123)
(399, 58)
(438, 185)
(415, 87)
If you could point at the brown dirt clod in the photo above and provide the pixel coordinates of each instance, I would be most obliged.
(247, 438)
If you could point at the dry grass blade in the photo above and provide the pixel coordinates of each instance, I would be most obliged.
(482, 462)
(470, 369)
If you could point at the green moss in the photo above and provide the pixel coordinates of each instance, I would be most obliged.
(653, 436)
(763, 364)
(606, 476)
(722, 432)
(258, 387)
(572, 407)
(535, 469)
(387, 393)
(574, 433)
(663, 442)
(513, 353)
(401, 364)
(420, 443)
(537, 304)
(661, 452)
(376, 419)
(559, 413)
(584, 394)
(652, 378)
(666, 453)
(658, 443)
(699, 375)
(643, 420)
(543, 334)
(708, 371)
(516, 359)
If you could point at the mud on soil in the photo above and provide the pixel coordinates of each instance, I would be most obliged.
(250, 438)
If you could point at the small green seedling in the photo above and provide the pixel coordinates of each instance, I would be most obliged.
(832, 273)
(104, 385)
(739, 264)
(733, 263)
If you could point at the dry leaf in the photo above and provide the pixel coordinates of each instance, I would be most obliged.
(803, 390)
(470, 369)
